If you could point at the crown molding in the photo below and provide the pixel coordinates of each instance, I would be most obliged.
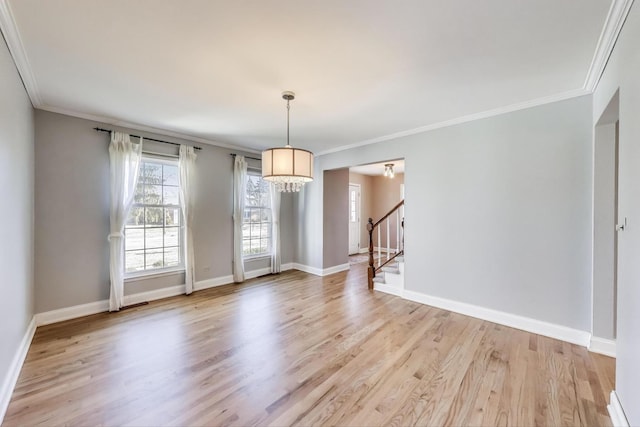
(464, 119)
(14, 42)
(134, 126)
(612, 26)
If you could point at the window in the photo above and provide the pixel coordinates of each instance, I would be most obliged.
(153, 232)
(256, 227)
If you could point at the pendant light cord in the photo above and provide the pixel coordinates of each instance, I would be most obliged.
(288, 123)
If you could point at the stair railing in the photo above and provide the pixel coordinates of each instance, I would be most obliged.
(390, 252)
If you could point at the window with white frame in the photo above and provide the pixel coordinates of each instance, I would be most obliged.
(153, 232)
(256, 226)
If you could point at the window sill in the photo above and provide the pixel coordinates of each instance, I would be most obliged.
(256, 257)
(132, 277)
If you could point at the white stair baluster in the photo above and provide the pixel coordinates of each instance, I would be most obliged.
(398, 231)
(388, 243)
(379, 244)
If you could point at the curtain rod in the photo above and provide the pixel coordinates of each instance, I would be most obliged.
(246, 157)
(148, 139)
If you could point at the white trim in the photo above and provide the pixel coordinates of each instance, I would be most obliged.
(464, 119)
(72, 312)
(11, 379)
(603, 346)
(363, 251)
(212, 283)
(528, 324)
(76, 311)
(111, 121)
(319, 271)
(153, 295)
(227, 280)
(335, 269)
(388, 289)
(308, 269)
(18, 53)
(152, 274)
(618, 419)
(257, 273)
(612, 26)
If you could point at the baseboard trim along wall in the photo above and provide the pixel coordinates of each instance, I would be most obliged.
(618, 419)
(603, 346)
(73, 312)
(335, 269)
(11, 379)
(388, 289)
(528, 324)
(319, 271)
(76, 311)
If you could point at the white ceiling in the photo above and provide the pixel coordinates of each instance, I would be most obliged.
(361, 69)
(378, 168)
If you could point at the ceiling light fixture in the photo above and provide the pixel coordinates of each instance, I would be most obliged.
(287, 167)
(388, 170)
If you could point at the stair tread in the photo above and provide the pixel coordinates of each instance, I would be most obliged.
(392, 270)
(378, 279)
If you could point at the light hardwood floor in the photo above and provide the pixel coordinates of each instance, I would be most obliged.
(296, 349)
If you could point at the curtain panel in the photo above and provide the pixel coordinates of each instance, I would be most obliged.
(186, 166)
(275, 228)
(124, 167)
(239, 189)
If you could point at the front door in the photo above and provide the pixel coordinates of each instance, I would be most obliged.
(354, 218)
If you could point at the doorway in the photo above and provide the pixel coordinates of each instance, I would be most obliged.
(354, 218)
(605, 230)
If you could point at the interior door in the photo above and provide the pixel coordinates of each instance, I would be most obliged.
(354, 219)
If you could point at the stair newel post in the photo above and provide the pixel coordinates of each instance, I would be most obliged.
(371, 270)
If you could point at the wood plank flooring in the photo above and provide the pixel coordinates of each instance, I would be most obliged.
(295, 349)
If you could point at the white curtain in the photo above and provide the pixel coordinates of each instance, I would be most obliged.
(124, 158)
(186, 165)
(239, 188)
(275, 229)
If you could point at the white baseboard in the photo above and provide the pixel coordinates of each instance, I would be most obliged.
(618, 419)
(308, 269)
(212, 283)
(603, 346)
(363, 251)
(156, 294)
(388, 289)
(76, 311)
(539, 327)
(72, 312)
(319, 271)
(227, 280)
(11, 379)
(335, 269)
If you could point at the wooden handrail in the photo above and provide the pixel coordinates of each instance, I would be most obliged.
(393, 209)
(370, 227)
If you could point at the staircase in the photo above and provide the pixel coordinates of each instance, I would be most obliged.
(386, 273)
(391, 277)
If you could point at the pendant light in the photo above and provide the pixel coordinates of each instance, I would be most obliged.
(388, 170)
(287, 167)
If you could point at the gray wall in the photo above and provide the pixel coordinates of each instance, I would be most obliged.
(498, 211)
(623, 74)
(72, 215)
(335, 217)
(604, 231)
(16, 215)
